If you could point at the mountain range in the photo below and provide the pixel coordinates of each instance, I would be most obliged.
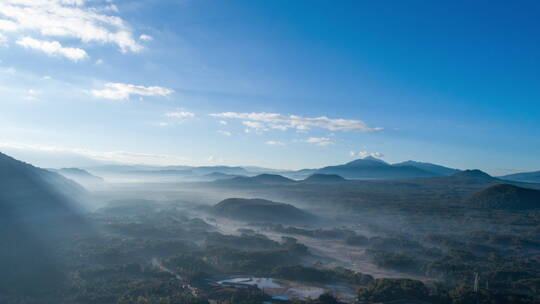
(364, 168)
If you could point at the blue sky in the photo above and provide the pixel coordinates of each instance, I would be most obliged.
(283, 84)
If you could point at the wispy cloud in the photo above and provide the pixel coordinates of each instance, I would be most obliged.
(180, 114)
(267, 121)
(52, 48)
(76, 19)
(320, 141)
(364, 154)
(120, 91)
(275, 143)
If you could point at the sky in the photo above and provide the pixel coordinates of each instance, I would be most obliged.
(280, 84)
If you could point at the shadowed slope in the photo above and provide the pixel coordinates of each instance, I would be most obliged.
(39, 211)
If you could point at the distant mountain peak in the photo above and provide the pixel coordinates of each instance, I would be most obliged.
(367, 161)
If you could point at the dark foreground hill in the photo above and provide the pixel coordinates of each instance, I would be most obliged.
(507, 197)
(28, 192)
(259, 210)
(39, 211)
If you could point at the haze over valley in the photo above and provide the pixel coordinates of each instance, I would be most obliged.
(269, 152)
(130, 236)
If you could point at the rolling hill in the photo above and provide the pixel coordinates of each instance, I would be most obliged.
(506, 197)
(324, 178)
(259, 210)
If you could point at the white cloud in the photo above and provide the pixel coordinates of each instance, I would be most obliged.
(364, 154)
(274, 143)
(225, 133)
(320, 141)
(123, 91)
(108, 156)
(266, 121)
(223, 122)
(52, 48)
(180, 114)
(145, 37)
(67, 19)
